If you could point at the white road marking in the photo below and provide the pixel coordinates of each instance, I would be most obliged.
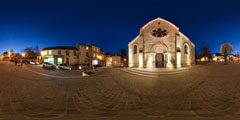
(62, 77)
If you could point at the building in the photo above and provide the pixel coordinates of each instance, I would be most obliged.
(113, 60)
(90, 54)
(161, 44)
(8, 55)
(218, 57)
(59, 55)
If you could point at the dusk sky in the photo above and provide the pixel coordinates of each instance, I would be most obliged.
(112, 24)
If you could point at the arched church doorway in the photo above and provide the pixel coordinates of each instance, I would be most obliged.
(159, 58)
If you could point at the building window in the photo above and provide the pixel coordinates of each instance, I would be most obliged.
(185, 49)
(67, 52)
(59, 52)
(75, 53)
(87, 48)
(60, 61)
(87, 54)
(135, 49)
(50, 52)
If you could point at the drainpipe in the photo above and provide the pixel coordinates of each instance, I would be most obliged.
(176, 46)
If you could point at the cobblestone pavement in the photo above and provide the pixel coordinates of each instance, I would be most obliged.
(205, 92)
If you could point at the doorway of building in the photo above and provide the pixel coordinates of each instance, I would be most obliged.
(67, 61)
(159, 60)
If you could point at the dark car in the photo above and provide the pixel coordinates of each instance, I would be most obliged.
(25, 62)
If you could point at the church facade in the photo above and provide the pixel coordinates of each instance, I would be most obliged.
(160, 44)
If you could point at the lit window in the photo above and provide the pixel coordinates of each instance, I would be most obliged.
(50, 52)
(45, 53)
(87, 48)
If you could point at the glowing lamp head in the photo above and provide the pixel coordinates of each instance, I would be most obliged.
(42, 53)
(215, 59)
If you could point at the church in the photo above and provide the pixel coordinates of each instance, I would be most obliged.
(160, 44)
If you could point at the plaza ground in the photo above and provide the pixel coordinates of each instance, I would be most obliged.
(209, 91)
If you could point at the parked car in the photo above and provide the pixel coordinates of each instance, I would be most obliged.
(64, 67)
(96, 66)
(124, 65)
(33, 63)
(48, 65)
(25, 62)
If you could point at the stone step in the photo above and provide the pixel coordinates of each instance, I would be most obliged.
(153, 74)
(158, 71)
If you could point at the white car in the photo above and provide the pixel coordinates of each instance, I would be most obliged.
(48, 65)
(33, 63)
(64, 67)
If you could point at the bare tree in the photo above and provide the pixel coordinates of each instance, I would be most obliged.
(226, 49)
(123, 54)
(205, 49)
(31, 52)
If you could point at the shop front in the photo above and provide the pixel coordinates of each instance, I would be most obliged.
(54, 59)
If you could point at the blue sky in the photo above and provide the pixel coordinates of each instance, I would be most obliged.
(111, 25)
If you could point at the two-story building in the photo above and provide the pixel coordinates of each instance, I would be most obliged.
(59, 55)
(90, 54)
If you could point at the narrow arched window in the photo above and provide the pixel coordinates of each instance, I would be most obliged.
(185, 49)
(135, 49)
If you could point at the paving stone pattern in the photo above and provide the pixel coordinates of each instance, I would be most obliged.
(206, 92)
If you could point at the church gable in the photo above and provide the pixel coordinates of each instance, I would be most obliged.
(159, 23)
(159, 42)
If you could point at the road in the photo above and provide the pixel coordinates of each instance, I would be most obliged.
(205, 92)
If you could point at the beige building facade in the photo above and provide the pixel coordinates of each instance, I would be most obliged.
(90, 54)
(59, 55)
(161, 44)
